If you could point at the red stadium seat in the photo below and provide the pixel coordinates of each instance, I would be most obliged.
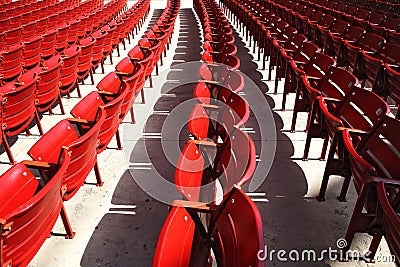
(244, 150)
(283, 49)
(337, 28)
(112, 101)
(393, 85)
(334, 45)
(393, 37)
(351, 54)
(28, 216)
(235, 227)
(4, 24)
(388, 221)
(98, 50)
(2, 38)
(277, 42)
(41, 26)
(52, 21)
(336, 84)
(11, 63)
(32, 49)
(218, 98)
(28, 31)
(48, 90)
(107, 49)
(300, 57)
(69, 70)
(85, 59)
(118, 32)
(83, 24)
(205, 127)
(316, 17)
(145, 57)
(314, 71)
(13, 37)
(373, 66)
(192, 178)
(388, 24)
(374, 19)
(73, 31)
(80, 138)
(49, 44)
(371, 163)
(316, 29)
(19, 110)
(362, 111)
(133, 74)
(156, 46)
(62, 37)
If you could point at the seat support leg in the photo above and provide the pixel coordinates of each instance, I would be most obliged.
(97, 174)
(7, 149)
(67, 225)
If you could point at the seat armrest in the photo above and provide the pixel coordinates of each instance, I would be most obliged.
(37, 164)
(393, 65)
(313, 78)
(331, 99)
(352, 130)
(210, 82)
(122, 74)
(76, 120)
(388, 181)
(193, 205)
(203, 142)
(213, 64)
(210, 106)
(105, 93)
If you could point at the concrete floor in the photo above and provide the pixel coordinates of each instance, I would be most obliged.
(118, 224)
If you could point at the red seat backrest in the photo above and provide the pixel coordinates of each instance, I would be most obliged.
(199, 122)
(68, 73)
(18, 185)
(110, 83)
(11, 63)
(337, 83)
(48, 83)
(236, 103)
(238, 232)
(245, 154)
(175, 240)
(19, 109)
(362, 110)
(381, 149)
(189, 173)
(235, 228)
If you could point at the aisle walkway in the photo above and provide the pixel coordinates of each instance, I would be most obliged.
(126, 240)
